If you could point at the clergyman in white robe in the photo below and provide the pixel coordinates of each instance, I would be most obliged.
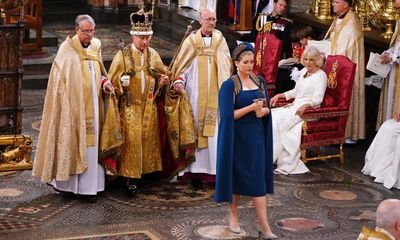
(382, 160)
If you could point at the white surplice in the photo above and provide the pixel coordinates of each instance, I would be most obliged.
(206, 158)
(382, 160)
(93, 180)
(287, 125)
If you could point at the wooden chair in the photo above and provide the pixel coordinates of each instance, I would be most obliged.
(33, 20)
(9, 4)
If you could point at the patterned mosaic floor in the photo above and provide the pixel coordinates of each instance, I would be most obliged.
(331, 202)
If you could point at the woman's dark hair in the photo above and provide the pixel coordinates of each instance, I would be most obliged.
(305, 32)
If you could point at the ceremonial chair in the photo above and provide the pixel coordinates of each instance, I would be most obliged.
(9, 4)
(32, 20)
(268, 50)
(326, 125)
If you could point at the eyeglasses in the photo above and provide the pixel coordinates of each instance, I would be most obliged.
(209, 19)
(87, 31)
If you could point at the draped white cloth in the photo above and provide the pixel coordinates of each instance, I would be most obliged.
(199, 4)
(287, 126)
(93, 180)
(382, 160)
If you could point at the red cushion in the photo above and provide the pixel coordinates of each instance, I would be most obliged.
(322, 126)
(321, 138)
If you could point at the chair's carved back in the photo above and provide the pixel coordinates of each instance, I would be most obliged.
(340, 71)
(267, 64)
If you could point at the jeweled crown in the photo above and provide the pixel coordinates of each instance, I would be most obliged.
(141, 22)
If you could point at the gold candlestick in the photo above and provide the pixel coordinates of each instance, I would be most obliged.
(324, 9)
(313, 7)
(363, 14)
(390, 15)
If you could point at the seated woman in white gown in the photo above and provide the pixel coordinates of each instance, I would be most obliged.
(287, 121)
(382, 160)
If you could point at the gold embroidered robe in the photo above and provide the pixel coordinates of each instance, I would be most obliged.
(141, 149)
(206, 66)
(67, 126)
(377, 234)
(348, 39)
(385, 108)
(193, 48)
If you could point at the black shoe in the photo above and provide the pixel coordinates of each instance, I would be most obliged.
(90, 198)
(196, 183)
(66, 195)
(132, 190)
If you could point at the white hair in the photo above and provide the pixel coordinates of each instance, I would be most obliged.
(83, 17)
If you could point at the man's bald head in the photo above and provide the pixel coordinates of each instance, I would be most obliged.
(388, 216)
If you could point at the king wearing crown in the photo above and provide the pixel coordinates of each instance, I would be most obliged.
(138, 76)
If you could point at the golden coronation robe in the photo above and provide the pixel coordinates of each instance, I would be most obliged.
(389, 102)
(141, 150)
(347, 39)
(203, 63)
(67, 129)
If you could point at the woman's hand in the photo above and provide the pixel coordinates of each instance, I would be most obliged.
(262, 112)
(275, 99)
(397, 117)
(256, 106)
(301, 110)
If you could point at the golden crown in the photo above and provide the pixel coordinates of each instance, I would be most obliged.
(141, 22)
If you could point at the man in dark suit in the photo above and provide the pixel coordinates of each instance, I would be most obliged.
(281, 26)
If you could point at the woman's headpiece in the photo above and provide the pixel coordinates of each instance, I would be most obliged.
(242, 47)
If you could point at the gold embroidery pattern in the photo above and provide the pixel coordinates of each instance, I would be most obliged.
(89, 126)
(370, 233)
(237, 84)
(211, 116)
(332, 83)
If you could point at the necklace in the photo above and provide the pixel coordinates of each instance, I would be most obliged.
(308, 74)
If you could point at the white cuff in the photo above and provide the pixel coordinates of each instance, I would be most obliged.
(105, 84)
(179, 81)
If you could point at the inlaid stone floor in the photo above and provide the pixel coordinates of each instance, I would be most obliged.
(330, 202)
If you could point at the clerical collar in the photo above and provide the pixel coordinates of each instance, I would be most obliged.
(203, 35)
(85, 46)
(343, 15)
